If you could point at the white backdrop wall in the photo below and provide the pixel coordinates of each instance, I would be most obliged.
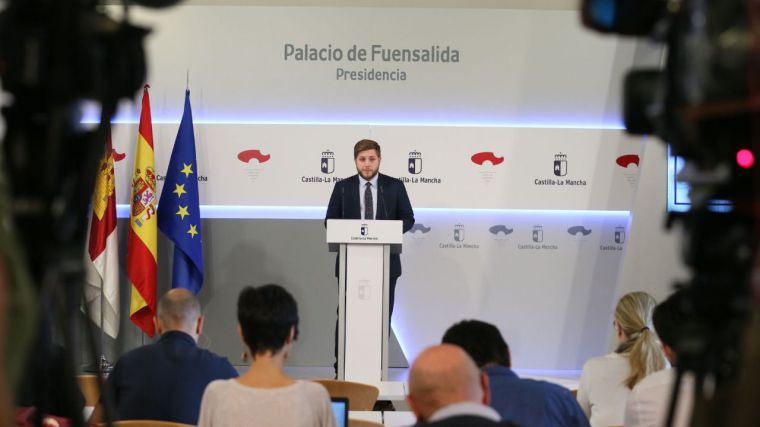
(499, 240)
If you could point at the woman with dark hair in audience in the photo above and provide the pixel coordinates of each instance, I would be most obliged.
(265, 396)
(607, 380)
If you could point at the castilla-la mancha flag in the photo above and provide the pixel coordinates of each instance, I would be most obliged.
(141, 245)
(102, 252)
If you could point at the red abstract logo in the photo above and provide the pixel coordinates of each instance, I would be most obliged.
(628, 159)
(247, 155)
(486, 156)
(117, 157)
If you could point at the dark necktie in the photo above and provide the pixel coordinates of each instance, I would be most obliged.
(368, 214)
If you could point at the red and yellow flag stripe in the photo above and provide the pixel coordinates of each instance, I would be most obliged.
(141, 244)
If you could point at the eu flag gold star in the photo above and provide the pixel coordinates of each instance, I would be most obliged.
(179, 190)
(187, 170)
(192, 231)
(182, 212)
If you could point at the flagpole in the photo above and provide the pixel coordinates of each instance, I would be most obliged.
(104, 365)
(102, 326)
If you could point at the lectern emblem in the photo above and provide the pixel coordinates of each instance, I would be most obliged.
(327, 163)
(560, 164)
(459, 232)
(619, 235)
(415, 162)
(364, 230)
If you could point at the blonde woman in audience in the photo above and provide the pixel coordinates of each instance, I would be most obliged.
(264, 396)
(607, 380)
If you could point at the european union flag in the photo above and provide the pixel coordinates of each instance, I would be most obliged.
(178, 209)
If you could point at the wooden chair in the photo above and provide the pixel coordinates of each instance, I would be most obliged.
(362, 423)
(88, 384)
(574, 392)
(361, 397)
(145, 423)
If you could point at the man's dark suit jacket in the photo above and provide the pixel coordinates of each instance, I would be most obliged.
(468, 421)
(392, 203)
(165, 380)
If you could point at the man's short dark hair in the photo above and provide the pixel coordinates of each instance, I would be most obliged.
(481, 340)
(366, 144)
(668, 317)
(266, 315)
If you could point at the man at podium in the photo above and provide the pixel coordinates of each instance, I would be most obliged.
(372, 195)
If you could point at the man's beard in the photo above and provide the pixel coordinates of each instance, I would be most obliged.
(359, 171)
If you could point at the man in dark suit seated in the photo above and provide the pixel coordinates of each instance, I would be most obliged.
(447, 389)
(526, 402)
(165, 380)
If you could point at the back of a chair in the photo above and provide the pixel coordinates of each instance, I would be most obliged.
(361, 397)
(145, 423)
(88, 384)
(363, 423)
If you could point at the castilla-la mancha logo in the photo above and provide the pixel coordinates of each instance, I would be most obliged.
(364, 230)
(418, 232)
(415, 163)
(579, 232)
(500, 231)
(560, 164)
(630, 165)
(459, 232)
(254, 162)
(327, 162)
(487, 161)
(619, 235)
(538, 233)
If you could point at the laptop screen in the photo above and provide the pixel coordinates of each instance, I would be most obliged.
(340, 409)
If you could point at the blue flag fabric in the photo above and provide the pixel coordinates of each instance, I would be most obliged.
(179, 215)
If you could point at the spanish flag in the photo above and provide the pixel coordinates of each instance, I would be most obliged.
(141, 243)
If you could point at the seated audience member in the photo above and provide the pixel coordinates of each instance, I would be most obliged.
(165, 380)
(265, 396)
(447, 389)
(648, 403)
(523, 401)
(607, 380)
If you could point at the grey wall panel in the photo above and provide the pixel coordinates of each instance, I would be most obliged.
(291, 253)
